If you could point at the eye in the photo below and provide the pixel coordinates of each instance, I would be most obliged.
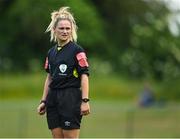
(67, 28)
(61, 28)
(64, 28)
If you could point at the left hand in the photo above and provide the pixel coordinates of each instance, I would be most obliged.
(85, 108)
(41, 109)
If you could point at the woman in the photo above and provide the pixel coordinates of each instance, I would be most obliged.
(65, 97)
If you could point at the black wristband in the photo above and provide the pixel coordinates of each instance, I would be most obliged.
(43, 101)
(85, 100)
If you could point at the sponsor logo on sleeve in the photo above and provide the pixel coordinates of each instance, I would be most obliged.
(82, 59)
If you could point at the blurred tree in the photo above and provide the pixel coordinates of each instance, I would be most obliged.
(23, 44)
(132, 35)
(140, 42)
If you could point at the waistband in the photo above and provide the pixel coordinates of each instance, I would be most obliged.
(66, 88)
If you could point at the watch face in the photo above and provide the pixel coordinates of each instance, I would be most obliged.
(85, 100)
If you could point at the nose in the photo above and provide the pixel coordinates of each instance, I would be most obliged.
(64, 30)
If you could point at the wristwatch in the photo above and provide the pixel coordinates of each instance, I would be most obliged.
(43, 101)
(85, 100)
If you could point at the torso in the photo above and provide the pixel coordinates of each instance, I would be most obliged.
(62, 64)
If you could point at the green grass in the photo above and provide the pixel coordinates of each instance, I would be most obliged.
(21, 86)
(107, 119)
(101, 87)
(114, 111)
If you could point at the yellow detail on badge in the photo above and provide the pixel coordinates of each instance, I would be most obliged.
(59, 48)
(75, 73)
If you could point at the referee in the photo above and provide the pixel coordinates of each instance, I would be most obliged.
(65, 97)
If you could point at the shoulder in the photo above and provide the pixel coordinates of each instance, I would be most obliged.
(77, 47)
(51, 50)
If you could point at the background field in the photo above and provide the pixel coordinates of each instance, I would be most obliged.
(20, 86)
(107, 119)
(114, 109)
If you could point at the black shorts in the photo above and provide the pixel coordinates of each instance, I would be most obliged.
(63, 108)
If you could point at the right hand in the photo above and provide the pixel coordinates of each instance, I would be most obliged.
(41, 109)
(85, 108)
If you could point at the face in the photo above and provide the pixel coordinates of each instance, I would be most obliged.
(63, 30)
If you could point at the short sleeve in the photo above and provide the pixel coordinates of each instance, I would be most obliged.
(82, 61)
(46, 65)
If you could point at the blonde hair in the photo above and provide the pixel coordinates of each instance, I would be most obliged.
(62, 14)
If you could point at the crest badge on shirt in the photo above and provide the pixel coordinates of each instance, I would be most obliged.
(63, 68)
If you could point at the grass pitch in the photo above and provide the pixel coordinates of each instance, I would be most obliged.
(107, 119)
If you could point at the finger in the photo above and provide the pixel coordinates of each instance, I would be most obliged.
(85, 112)
(82, 112)
(38, 110)
(42, 112)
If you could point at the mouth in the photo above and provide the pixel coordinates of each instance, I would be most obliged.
(64, 35)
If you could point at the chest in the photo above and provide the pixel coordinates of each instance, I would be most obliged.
(62, 57)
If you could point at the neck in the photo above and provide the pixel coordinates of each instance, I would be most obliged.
(62, 43)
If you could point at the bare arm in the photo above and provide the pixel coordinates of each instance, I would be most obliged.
(85, 86)
(46, 87)
(41, 108)
(85, 108)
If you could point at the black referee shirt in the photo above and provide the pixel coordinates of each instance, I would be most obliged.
(66, 65)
